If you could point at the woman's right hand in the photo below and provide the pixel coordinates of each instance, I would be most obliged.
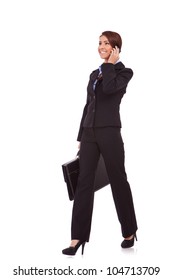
(114, 56)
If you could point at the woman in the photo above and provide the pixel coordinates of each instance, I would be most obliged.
(100, 133)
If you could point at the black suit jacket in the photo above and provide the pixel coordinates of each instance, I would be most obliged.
(102, 106)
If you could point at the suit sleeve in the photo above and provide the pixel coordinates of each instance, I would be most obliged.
(113, 81)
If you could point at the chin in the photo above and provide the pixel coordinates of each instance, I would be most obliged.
(104, 56)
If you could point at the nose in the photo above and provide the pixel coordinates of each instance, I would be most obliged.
(101, 48)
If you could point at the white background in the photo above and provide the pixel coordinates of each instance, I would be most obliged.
(47, 51)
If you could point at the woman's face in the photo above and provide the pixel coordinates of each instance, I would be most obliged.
(104, 48)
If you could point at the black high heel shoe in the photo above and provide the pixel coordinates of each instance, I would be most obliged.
(128, 243)
(72, 250)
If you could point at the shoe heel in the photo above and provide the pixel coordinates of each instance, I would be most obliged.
(83, 245)
(135, 236)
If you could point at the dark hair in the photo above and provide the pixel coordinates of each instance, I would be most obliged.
(114, 38)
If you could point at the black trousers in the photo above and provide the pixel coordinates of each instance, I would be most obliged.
(109, 143)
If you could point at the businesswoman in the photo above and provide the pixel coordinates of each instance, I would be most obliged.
(100, 133)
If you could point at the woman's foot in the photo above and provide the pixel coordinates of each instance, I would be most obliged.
(129, 241)
(130, 237)
(75, 244)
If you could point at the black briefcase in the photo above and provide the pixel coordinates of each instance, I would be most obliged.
(71, 173)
